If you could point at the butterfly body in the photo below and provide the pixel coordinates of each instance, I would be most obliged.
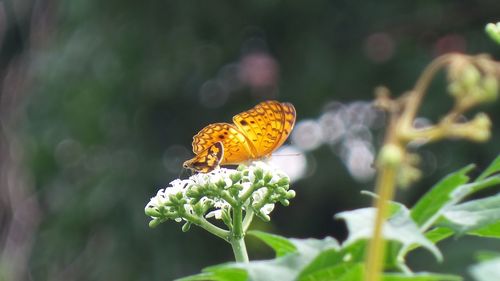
(255, 134)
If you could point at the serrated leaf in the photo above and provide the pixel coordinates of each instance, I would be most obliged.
(279, 244)
(439, 195)
(486, 271)
(424, 276)
(400, 227)
(492, 169)
(473, 214)
(448, 192)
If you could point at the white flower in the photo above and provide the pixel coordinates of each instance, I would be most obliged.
(163, 195)
(267, 209)
(205, 194)
(259, 194)
(267, 169)
(214, 177)
(219, 205)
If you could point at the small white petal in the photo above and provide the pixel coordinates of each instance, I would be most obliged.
(216, 213)
(267, 209)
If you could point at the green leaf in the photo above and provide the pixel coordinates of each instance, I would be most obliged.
(279, 244)
(448, 192)
(288, 267)
(327, 261)
(490, 231)
(439, 233)
(284, 268)
(435, 235)
(324, 261)
(336, 272)
(439, 195)
(486, 255)
(218, 273)
(424, 276)
(492, 169)
(356, 273)
(486, 271)
(472, 215)
(400, 227)
(312, 247)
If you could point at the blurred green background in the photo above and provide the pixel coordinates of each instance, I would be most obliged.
(100, 100)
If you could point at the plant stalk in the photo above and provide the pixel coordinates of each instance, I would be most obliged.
(385, 189)
(239, 250)
(237, 238)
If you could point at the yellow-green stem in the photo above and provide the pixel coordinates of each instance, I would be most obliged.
(385, 190)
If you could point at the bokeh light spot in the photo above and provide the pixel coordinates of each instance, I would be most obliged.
(450, 43)
(307, 135)
(291, 160)
(379, 47)
(212, 94)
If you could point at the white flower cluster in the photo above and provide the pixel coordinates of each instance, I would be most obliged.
(258, 186)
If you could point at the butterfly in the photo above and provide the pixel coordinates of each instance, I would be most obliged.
(207, 160)
(254, 134)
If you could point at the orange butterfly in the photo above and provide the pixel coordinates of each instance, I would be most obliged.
(255, 134)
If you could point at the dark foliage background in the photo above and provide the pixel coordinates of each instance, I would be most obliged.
(100, 100)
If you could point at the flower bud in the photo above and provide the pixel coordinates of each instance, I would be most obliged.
(455, 89)
(259, 174)
(290, 194)
(152, 212)
(285, 202)
(283, 181)
(221, 184)
(263, 216)
(493, 30)
(154, 223)
(186, 227)
(480, 128)
(268, 177)
(470, 76)
(490, 87)
(391, 155)
(236, 177)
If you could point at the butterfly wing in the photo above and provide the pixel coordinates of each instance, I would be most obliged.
(266, 126)
(207, 160)
(236, 145)
(289, 116)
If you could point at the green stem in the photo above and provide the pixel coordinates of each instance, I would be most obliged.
(248, 218)
(237, 238)
(203, 223)
(239, 250)
(244, 197)
(385, 190)
(227, 197)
